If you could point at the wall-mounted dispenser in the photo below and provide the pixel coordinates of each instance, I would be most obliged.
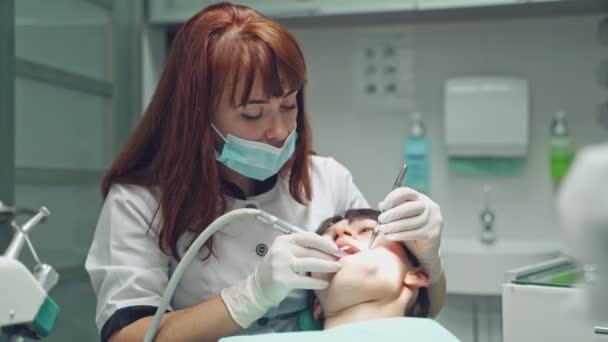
(486, 124)
(486, 116)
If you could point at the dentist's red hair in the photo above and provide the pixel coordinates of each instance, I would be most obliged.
(171, 150)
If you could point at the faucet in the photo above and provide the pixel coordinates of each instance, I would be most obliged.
(487, 216)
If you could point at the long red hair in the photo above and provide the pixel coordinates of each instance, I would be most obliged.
(172, 147)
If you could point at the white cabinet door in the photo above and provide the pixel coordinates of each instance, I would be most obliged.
(338, 7)
(174, 11)
(438, 4)
(179, 11)
(284, 8)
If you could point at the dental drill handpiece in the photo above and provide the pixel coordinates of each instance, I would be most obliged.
(397, 184)
(286, 228)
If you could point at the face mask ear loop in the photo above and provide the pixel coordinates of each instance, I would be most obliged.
(218, 133)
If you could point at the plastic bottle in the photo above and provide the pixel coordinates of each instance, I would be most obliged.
(416, 156)
(562, 150)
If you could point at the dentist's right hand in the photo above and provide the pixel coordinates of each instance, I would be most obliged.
(277, 274)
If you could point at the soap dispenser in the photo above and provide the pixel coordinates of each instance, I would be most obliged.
(416, 155)
(487, 217)
(562, 150)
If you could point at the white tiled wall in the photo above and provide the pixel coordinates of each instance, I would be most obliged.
(557, 55)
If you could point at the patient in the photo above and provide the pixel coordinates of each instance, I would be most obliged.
(381, 282)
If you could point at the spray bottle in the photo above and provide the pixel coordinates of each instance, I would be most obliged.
(416, 156)
(562, 150)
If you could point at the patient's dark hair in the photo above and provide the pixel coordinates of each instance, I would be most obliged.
(421, 307)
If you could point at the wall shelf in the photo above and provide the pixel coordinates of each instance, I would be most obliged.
(508, 11)
(315, 12)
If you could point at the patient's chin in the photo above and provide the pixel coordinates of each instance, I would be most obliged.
(374, 275)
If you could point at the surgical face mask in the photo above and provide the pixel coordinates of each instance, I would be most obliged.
(254, 159)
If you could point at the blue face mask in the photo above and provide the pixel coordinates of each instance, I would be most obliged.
(254, 159)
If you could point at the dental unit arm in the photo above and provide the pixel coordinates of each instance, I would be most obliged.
(26, 309)
(268, 219)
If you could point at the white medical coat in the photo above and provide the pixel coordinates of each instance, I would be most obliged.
(127, 268)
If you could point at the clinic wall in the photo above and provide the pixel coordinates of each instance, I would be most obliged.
(557, 55)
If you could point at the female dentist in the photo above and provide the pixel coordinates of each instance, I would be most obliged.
(227, 129)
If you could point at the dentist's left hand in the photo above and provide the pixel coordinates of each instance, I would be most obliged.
(414, 219)
(278, 274)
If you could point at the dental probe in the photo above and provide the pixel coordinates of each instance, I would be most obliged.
(397, 184)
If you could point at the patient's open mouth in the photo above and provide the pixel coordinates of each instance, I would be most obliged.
(349, 247)
(349, 250)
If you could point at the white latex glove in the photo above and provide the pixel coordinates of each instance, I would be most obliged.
(278, 274)
(414, 219)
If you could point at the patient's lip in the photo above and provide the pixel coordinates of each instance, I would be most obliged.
(348, 245)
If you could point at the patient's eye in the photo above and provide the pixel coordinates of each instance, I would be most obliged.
(367, 229)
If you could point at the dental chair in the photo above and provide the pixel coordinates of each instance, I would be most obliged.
(398, 329)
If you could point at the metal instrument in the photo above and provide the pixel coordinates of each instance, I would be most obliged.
(397, 184)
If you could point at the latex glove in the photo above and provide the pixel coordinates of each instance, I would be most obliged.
(277, 274)
(414, 219)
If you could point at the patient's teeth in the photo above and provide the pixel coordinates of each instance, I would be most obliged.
(348, 249)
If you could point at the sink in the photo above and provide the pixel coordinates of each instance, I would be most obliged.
(473, 268)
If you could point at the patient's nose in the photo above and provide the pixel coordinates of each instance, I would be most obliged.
(344, 230)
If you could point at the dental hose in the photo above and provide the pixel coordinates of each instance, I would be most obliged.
(219, 223)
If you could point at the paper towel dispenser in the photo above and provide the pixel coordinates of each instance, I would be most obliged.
(486, 116)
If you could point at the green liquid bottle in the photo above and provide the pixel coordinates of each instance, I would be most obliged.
(562, 150)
